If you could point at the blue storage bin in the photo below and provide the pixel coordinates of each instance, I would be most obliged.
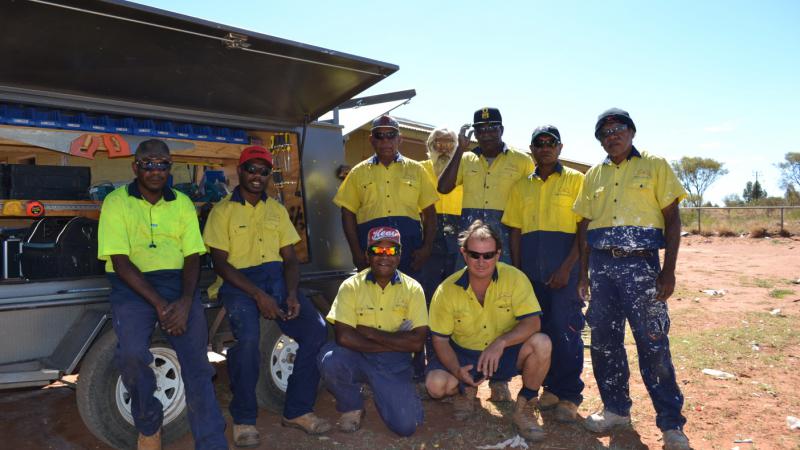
(221, 134)
(144, 127)
(240, 137)
(183, 130)
(71, 120)
(201, 132)
(48, 118)
(20, 115)
(3, 113)
(124, 125)
(164, 129)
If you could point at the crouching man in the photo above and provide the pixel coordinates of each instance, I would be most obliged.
(485, 325)
(380, 318)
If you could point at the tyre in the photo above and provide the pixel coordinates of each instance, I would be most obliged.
(104, 403)
(277, 362)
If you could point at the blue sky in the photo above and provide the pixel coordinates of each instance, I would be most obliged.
(717, 79)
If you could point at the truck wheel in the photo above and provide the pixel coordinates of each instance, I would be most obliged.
(277, 362)
(104, 403)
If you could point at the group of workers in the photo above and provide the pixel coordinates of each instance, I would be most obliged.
(472, 266)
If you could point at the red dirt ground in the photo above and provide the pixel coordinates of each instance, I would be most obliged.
(719, 412)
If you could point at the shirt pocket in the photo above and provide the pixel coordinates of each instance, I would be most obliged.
(369, 193)
(365, 315)
(462, 322)
(409, 192)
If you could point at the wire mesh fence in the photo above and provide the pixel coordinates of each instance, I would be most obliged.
(737, 220)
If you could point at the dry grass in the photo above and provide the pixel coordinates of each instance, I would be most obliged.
(785, 233)
(759, 232)
(726, 232)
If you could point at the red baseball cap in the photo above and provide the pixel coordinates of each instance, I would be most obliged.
(255, 152)
(379, 234)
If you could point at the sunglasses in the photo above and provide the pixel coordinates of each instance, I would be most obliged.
(255, 170)
(374, 250)
(487, 128)
(608, 132)
(149, 165)
(478, 255)
(379, 135)
(545, 144)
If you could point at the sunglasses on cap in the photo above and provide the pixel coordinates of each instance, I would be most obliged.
(479, 255)
(255, 170)
(545, 144)
(488, 128)
(374, 250)
(150, 165)
(608, 132)
(379, 135)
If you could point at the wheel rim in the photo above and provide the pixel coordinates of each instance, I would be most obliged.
(169, 386)
(282, 361)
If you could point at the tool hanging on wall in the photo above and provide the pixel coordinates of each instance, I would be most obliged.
(281, 148)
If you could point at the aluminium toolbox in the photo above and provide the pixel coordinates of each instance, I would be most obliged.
(61, 247)
(30, 182)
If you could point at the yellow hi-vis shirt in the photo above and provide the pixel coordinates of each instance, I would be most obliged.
(252, 235)
(545, 205)
(361, 301)
(456, 312)
(632, 195)
(372, 190)
(449, 203)
(154, 237)
(485, 186)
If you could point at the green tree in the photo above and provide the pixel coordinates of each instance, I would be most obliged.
(791, 196)
(696, 175)
(790, 170)
(753, 192)
(732, 200)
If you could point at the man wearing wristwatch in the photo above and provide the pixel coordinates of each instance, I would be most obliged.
(629, 205)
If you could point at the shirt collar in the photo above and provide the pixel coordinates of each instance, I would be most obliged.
(395, 277)
(397, 158)
(463, 280)
(133, 191)
(479, 152)
(237, 196)
(558, 169)
(633, 153)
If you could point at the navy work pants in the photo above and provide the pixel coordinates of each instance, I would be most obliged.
(244, 358)
(134, 321)
(344, 371)
(625, 289)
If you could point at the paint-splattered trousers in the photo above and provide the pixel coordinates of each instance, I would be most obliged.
(388, 374)
(625, 289)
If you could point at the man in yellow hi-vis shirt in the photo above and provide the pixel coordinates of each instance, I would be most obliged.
(485, 324)
(251, 240)
(629, 204)
(150, 239)
(379, 317)
(544, 245)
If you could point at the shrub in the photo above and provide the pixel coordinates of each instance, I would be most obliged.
(759, 232)
(726, 232)
(785, 233)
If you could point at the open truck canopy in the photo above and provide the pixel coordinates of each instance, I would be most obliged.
(119, 57)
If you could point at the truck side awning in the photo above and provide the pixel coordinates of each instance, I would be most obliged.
(118, 57)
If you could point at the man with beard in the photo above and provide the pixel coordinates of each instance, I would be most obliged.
(379, 317)
(544, 246)
(629, 204)
(251, 240)
(150, 239)
(487, 174)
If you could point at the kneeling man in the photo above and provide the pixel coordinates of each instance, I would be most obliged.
(485, 325)
(380, 318)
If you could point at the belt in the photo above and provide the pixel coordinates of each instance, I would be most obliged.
(618, 252)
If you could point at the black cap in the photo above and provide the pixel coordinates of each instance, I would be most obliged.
(487, 115)
(385, 121)
(612, 115)
(548, 130)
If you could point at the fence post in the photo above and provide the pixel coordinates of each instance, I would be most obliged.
(698, 220)
(781, 220)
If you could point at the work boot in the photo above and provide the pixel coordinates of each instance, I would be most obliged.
(605, 420)
(309, 422)
(566, 411)
(246, 436)
(547, 400)
(152, 442)
(464, 404)
(350, 421)
(676, 440)
(500, 392)
(526, 419)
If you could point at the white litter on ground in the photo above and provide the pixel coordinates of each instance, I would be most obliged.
(719, 374)
(515, 442)
(775, 312)
(793, 422)
(714, 292)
